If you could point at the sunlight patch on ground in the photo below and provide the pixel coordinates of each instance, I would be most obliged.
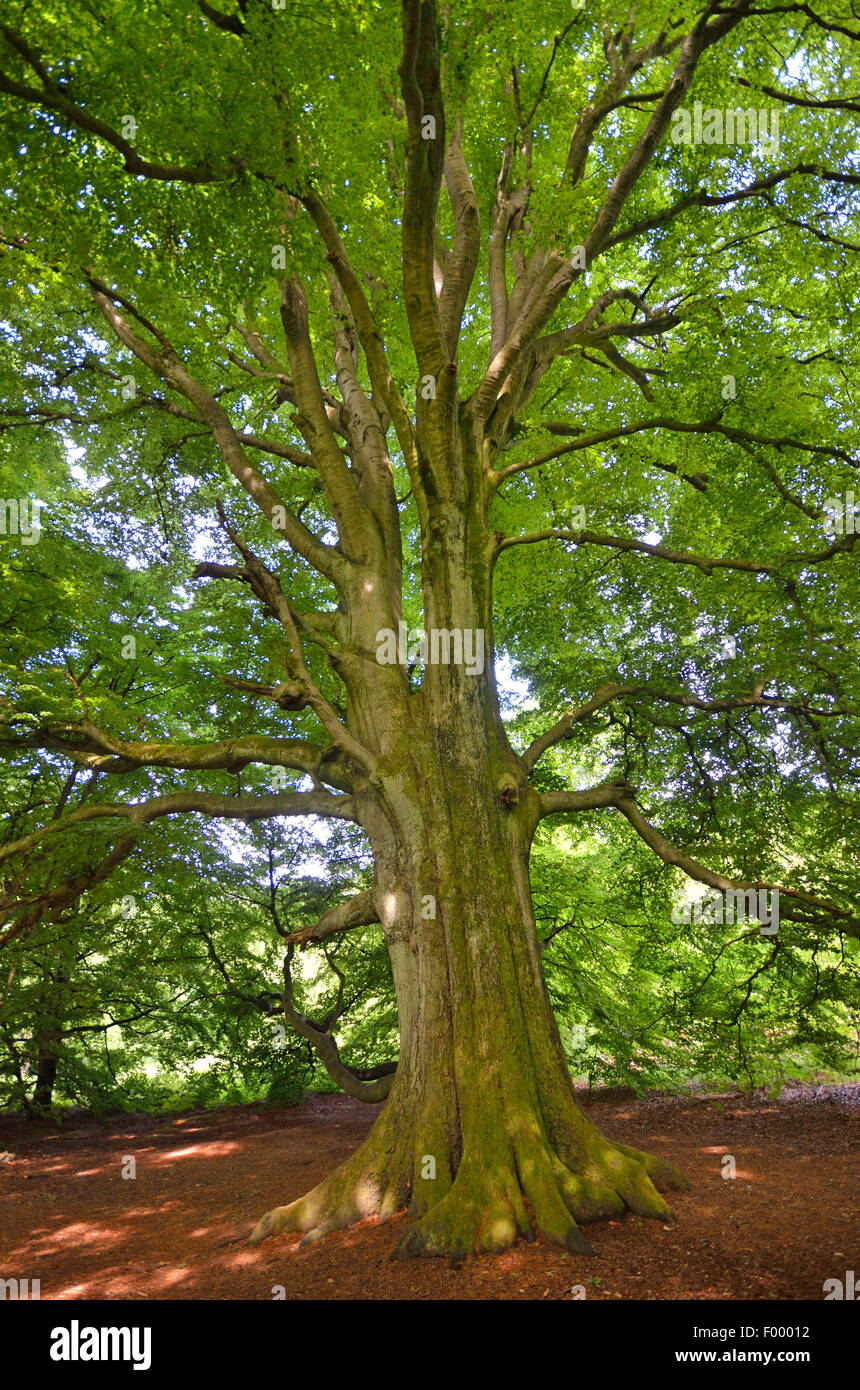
(249, 1257)
(82, 1234)
(215, 1149)
(510, 1260)
(171, 1277)
(71, 1291)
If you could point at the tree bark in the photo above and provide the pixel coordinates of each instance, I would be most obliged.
(47, 1042)
(46, 1078)
(481, 1138)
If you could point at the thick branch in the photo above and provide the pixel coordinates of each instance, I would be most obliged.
(368, 335)
(467, 244)
(98, 750)
(622, 798)
(422, 99)
(247, 808)
(350, 514)
(359, 911)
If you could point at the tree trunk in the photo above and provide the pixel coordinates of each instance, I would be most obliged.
(481, 1138)
(47, 1040)
(46, 1075)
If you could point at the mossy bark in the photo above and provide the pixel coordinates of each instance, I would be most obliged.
(481, 1139)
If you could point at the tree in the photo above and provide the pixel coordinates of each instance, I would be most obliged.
(238, 218)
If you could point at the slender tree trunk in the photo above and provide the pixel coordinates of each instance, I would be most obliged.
(47, 1042)
(46, 1074)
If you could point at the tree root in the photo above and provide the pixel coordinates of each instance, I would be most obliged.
(487, 1206)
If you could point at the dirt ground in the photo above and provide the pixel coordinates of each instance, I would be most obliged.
(787, 1221)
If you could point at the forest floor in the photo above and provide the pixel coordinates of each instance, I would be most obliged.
(788, 1220)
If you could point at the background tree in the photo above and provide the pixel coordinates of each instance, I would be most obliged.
(230, 266)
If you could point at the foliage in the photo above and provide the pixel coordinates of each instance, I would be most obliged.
(727, 586)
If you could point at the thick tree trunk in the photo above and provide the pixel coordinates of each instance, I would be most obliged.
(481, 1138)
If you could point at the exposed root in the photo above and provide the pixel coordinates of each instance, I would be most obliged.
(482, 1213)
(665, 1176)
(346, 1196)
(486, 1208)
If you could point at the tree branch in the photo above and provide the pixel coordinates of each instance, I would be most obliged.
(467, 243)
(54, 98)
(53, 900)
(246, 808)
(706, 563)
(100, 751)
(169, 368)
(326, 1049)
(359, 911)
(621, 797)
(565, 726)
(662, 422)
(422, 99)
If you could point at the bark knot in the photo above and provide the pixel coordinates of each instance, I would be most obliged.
(508, 790)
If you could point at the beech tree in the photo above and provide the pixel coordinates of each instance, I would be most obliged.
(520, 328)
